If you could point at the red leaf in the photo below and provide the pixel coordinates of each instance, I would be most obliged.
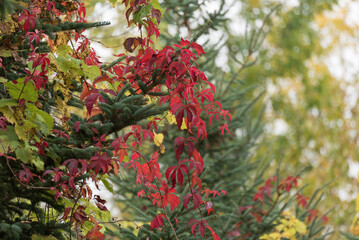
(100, 162)
(102, 78)
(67, 212)
(302, 200)
(157, 221)
(257, 216)
(100, 203)
(184, 42)
(30, 20)
(215, 236)
(324, 219)
(312, 214)
(179, 118)
(128, 44)
(90, 101)
(179, 144)
(72, 182)
(22, 101)
(72, 165)
(77, 126)
(139, 194)
(201, 225)
(85, 91)
(174, 201)
(174, 171)
(198, 48)
(3, 123)
(197, 200)
(25, 175)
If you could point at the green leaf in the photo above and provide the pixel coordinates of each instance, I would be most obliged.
(23, 154)
(63, 64)
(25, 129)
(108, 185)
(91, 72)
(156, 5)
(113, 2)
(39, 237)
(8, 102)
(140, 14)
(42, 117)
(21, 90)
(9, 139)
(5, 53)
(63, 50)
(38, 163)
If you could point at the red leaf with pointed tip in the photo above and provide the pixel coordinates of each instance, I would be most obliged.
(72, 182)
(90, 101)
(197, 156)
(302, 200)
(157, 221)
(184, 42)
(72, 165)
(186, 200)
(179, 118)
(178, 171)
(140, 193)
(30, 20)
(100, 162)
(198, 48)
(179, 144)
(201, 225)
(197, 199)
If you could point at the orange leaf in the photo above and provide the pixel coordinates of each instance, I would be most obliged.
(85, 91)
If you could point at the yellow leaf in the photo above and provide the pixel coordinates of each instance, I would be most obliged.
(300, 227)
(357, 203)
(264, 237)
(158, 139)
(170, 118)
(275, 236)
(289, 233)
(280, 227)
(183, 126)
(163, 148)
(354, 228)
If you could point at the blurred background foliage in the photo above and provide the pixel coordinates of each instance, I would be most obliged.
(301, 53)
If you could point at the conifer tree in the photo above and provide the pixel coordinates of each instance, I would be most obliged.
(243, 211)
(59, 128)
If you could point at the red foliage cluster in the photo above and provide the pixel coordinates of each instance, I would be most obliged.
(189, 96)
(189, 93)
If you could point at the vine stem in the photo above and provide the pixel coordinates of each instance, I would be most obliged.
(76, 201)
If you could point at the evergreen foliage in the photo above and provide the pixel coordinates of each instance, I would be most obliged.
(231, 160)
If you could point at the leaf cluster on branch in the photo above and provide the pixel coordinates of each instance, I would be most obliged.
(67, 120)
